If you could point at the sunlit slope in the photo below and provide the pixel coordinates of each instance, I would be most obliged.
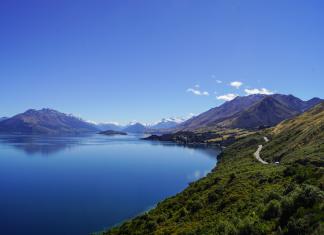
(298, 139)
(243, 196)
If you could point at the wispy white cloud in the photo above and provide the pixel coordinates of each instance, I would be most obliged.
(255, 91)
(227, 97)
(196, 91)
(236, 84)
(217, 81)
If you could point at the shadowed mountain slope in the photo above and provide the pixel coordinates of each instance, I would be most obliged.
(45, 121)
(250, 112)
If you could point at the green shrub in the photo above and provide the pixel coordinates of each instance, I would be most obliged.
(225, 227)
(151, 225)
(273, 196)
(287, 209)
(297, 227)
(212, 197)
(194, 206)
(232, 177)
(251, 226)
(273, 210)
(309, 196)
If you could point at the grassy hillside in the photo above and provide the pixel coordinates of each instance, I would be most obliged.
(303, 138)
(243, 196)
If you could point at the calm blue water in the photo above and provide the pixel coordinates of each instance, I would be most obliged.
(78, 185)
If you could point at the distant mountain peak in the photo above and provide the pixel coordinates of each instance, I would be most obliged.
(135, 127)
(135, 123)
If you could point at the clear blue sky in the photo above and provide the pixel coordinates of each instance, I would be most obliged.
(141, 60)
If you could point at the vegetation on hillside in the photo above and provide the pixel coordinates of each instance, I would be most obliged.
(242, 196)
(219, 136)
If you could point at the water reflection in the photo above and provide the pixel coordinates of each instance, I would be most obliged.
(98, 182)
(50, 145)
(211, 152)
(44, 145)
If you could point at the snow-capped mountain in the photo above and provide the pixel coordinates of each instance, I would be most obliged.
(135, 127)
(167, 123)
(112, 126)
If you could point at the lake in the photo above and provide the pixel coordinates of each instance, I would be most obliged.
(77, 185)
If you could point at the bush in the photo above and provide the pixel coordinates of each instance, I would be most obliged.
(289, 171)
(299, 226)
(289, 188)
(225, 227)
(251, 226)
(194, 206)
(287, 208)
(151, 225)
(309, 196)
(273, 196)
(232, 177)
(272, 210)
(212, 197)
(183, 212)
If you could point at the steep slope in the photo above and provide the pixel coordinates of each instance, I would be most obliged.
(243, 196)
(306, 129)
(267, 112)
(222, 112)
(45, 121)
(250, 112)
(295, 103)
(312, 102)
(291, 101)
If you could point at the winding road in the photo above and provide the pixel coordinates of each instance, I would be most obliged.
(257, 153)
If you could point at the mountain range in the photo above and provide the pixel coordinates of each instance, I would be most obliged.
(250, 112)
(246, 112)
(137, 127)
(48, 121)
